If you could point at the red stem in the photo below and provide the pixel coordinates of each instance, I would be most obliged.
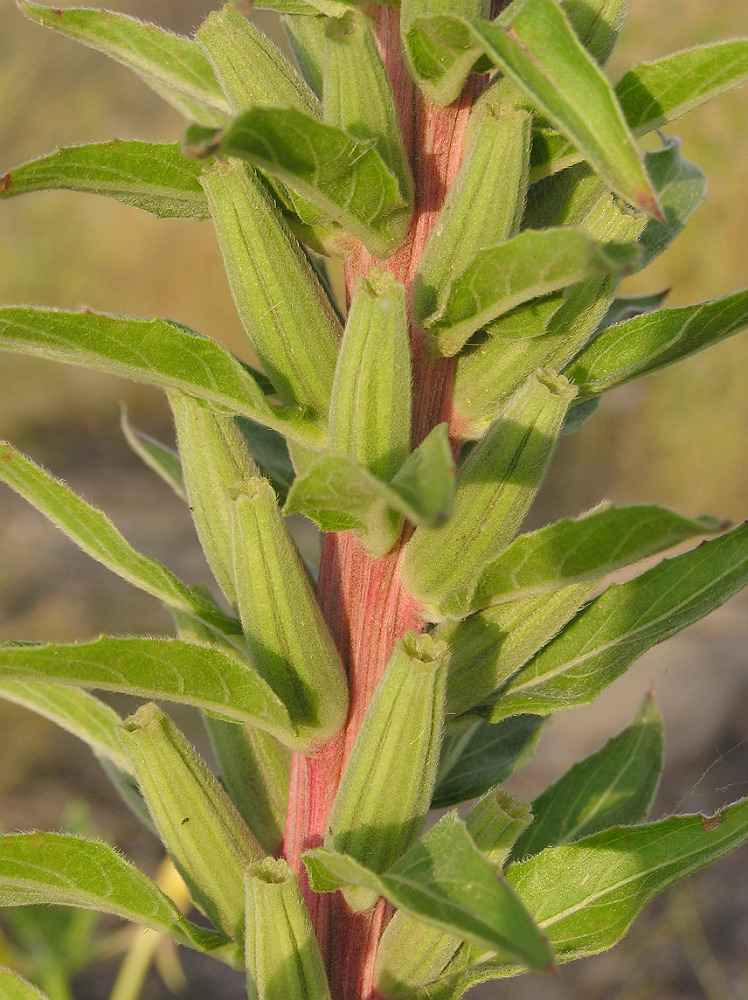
(361, 597)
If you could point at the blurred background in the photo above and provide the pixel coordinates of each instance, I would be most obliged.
(679, 438)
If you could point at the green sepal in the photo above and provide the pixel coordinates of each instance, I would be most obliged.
(173, 66)
(152, 351)
(286, 634)
(618, 626)
(495, 487)
(255, 770)
(483, 756)
(157, 456)
(273, 285)
(94, 533)
(281, 952)
(69, 870)
(153, 176)
(412, 954)
(306, 37)
(202, 831)
(647, 343)
(574, 550)
(387, 783)
(357, 96)
(370, 408)
(447, 882)
(613, 786)
(483, 207)
(214, 458)
(488, 647)
(344, 177)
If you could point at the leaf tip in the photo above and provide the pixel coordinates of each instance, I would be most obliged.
(5, 182)
(647, 201)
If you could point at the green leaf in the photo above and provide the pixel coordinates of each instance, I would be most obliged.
(153, 351)
(76, 711)
(655, 93)
(330, 8)
(197, 823)
(647, 343)
(12, 987)
(72, 871)
(597, 23)
(425, 483)
(344, 177)
(535, 46)
(628, 306)
(273, 284)
(502, 277)
(93, 532)
(370, 408)
(482, 757)
(153, 176)
(586, 548)
(446, 882)
(624, 621)
(197, 675)
(163, 460)
(172, 66)
(306, 37)
(614, 786)
(269, 449)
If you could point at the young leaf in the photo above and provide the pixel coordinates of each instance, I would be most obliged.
(198, 824)
(172, 66)
(499, 278)
(269, 449)
(255, 769)
(282, 955)
(445, 881)
(344, 177)
(93, 532)
(614, 786)
(197, 675)
(385, 791)
(163, 460)
(76, 711)
(273, 284)
(495, 487)
(587, 548)
(370, 407)
(489, 647)
(483, 207)
(286, 634)
(425, 483)
(623, 622)
(153, 351)
(482, 757)
(153, 176)
(647, 343)
(12, 987)
(69, 870)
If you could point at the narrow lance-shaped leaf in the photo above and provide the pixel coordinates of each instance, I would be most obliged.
(357, 96)
(282, 955)
(628, 306)
(344, 177)
(153, 351)
(447, 882)
(157, 456)
(173, 66)
(370, 406)
(283, 624)
(495, 487)
(624, 621)
(500, 278)
(68, 870)
(197, 675)
(647, 343)
(76, 711)
(613, 786)
(153, 176)
(93, 532)
(13, 987)
(597, 23)
(483, 207)
(202, 831)
(273, 286)
(412, 953)
(385, 791)
(588, 548)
